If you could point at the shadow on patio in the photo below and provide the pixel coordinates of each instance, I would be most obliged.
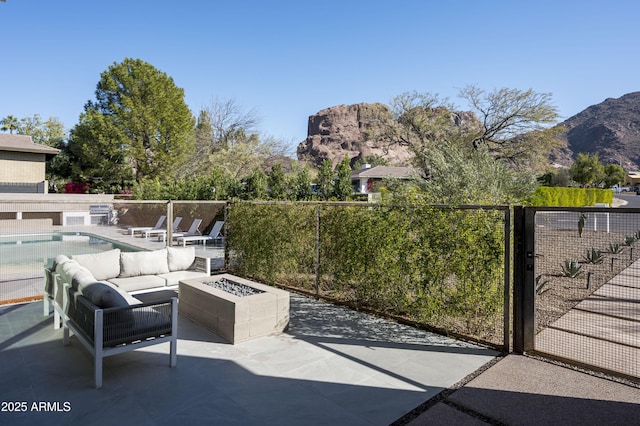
(333, 366)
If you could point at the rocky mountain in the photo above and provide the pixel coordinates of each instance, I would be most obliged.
(346, 130)
(610, 128)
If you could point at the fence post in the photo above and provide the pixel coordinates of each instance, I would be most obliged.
(317, 260)
(506, 341)
(169, 223)
(524, 280)
(225, 266)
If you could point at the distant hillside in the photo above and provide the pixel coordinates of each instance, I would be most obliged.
(345, 130)
(610, 128)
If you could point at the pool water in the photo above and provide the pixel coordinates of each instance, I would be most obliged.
(24, 257)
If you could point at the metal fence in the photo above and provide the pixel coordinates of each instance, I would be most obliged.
(33, 233)
(578, 291)
(576, 278)
(434, 266)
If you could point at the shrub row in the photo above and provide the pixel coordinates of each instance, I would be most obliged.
(437, 266)
(553, 196)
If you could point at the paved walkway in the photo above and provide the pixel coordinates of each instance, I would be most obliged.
(519, 390)
(603, 330)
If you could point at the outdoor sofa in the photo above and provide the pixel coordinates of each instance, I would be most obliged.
(92, 295)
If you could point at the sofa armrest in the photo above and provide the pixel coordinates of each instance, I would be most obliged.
(201, 264)
(106, 332)
(137, 322)
(116, 326)
(49, 283)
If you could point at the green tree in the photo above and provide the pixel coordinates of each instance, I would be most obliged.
(587, 169)
(514, 125)
(49, 132)
(343, 188)
(614, 174)
(458, 175)
(139, 120)
(508, 114)
(9, 123)
(255, 185)
(203, 143)
(556, 177)
(98, 154)
(301, 185)
(507, 126)
(227, 117)
(325, 180)
(276, 183)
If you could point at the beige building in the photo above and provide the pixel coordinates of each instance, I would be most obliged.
(22, 164)
(633, 178)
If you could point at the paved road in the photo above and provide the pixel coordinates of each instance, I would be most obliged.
(631, 198)
(614, 222)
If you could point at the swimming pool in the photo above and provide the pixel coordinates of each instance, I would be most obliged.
(24, 257)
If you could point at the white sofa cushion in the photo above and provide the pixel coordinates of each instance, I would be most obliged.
(59, 260)
(143, 263)
(67, 269)
(81, 278)
(174, 277)
(180, 258)
(137, 283)
(102, 265)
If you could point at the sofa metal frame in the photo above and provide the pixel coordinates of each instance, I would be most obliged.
(102, 336)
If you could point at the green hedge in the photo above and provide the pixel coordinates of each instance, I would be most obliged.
(441, 267)
(552, 196)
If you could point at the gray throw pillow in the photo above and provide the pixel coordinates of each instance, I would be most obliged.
(103, 296)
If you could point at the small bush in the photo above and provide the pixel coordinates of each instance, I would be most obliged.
(541, 286)
(594, 256)
(546, 196)
(615, 248)
(571, 268)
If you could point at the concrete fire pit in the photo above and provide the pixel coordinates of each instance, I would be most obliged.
(234, 308)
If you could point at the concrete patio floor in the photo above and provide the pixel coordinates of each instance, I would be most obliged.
(333, 366)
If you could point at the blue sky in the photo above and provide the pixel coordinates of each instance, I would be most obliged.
(290, 59)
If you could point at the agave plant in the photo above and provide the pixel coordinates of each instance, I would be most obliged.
(594, 256)
(615, 248)
(571, 268)
(541, 286)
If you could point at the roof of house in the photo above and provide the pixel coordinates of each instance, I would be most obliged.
(381, 172)
(22, 143)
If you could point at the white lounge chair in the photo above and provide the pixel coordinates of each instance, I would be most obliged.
(194, 229)
(215, 234)
(141, 229)
(150, 232)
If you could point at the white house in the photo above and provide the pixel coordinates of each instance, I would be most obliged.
(364, 180)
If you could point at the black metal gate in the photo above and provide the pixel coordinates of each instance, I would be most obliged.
(577, 286)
